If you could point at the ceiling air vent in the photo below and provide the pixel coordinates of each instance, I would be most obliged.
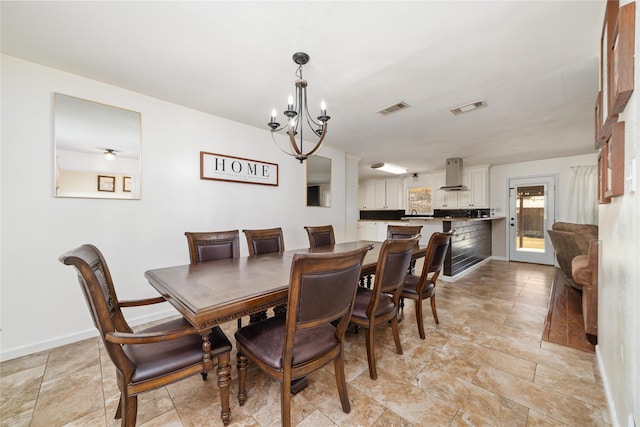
(393, 108)
(469, 107)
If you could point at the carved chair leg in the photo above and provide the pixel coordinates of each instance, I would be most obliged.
(204, 374)
(242, 378)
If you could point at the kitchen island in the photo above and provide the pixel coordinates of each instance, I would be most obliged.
(470, 245)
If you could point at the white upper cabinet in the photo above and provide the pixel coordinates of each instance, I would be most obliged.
(475, 179)
(380, 194)
(443, 199)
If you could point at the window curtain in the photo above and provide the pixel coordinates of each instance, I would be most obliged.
(583, 207)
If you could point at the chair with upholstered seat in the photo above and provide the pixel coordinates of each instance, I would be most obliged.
(321, 235)
(153, 357)
(213, 246)
(321, 294)
(379, 305)
(403, 231)
(419, 288)
(265, 241)
(260, 242)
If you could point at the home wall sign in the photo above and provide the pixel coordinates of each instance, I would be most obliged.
(219, 167)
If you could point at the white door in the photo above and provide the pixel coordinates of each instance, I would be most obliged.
(531, 214)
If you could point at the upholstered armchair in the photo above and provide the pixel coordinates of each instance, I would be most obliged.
(570, 240)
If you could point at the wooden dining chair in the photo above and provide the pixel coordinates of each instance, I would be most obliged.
(321, 235)
(321, 294)
(153, 357)
(419, 288)
(213, 246)
(260, 242)
(264, 241)
(379, 305)
(403, 231)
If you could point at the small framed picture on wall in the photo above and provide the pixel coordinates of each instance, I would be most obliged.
(126, 184)
(106, 183)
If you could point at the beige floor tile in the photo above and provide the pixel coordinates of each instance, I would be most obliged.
(316, 419)
(555, 405)
(565, 362)
(69, 397)
(570, 385)
(406, 399)
(323, 393)
(537, 419)
(168, 419)
(31, 361)
(391, 419)
(19, 392)
(72, 357)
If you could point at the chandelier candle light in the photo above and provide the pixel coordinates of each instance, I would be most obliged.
(300, 112)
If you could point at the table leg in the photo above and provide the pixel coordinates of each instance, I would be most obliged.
(206, 352)
(224, 384)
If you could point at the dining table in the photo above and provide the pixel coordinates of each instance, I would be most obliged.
(211, 293)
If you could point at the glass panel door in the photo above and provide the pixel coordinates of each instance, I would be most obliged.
(530, 216)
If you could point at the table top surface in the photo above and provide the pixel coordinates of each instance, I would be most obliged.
(210, 293)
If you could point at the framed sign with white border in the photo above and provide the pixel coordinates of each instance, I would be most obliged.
(219, 167)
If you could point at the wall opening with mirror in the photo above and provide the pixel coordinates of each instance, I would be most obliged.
(97, 150)
(319, 181)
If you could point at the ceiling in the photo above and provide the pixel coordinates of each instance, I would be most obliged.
(535, 63)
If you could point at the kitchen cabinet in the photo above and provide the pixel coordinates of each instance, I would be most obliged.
(380, 194)
(475, 179)
(443, 199)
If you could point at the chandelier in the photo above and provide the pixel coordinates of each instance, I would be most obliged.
(298, 113)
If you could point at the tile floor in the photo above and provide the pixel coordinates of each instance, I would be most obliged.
(484, 365)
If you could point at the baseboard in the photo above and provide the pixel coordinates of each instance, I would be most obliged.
(58, 341)
(607, 389)
(446, 278)
(499, 258)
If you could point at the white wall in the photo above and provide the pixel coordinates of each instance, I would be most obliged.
(619, 279)
(499, 176)
(41, 304)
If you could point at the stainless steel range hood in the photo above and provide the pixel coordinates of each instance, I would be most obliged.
(453, 180)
